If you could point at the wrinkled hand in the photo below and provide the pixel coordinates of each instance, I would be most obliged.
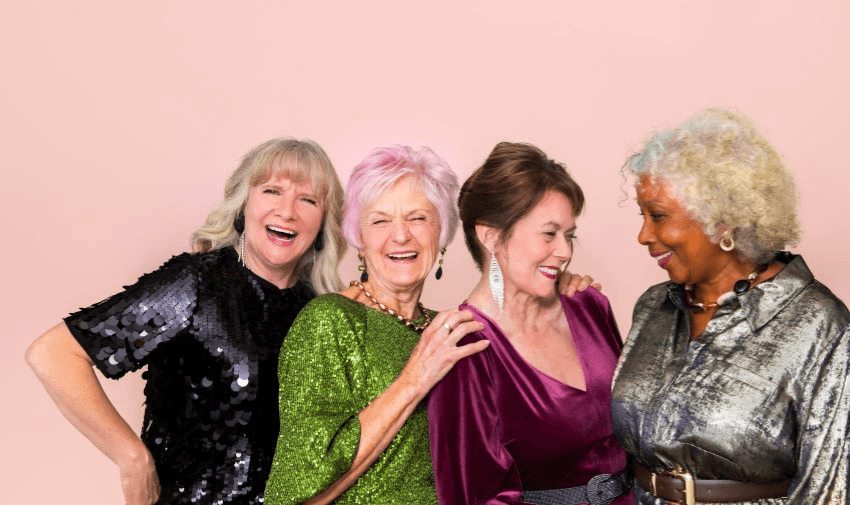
(139, 480)
(570, 283)
(437, 350)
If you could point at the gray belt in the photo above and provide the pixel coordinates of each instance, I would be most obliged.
(601, 490)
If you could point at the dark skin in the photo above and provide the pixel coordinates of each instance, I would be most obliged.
(679, 244)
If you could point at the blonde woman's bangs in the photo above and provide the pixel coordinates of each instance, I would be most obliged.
(297, 165)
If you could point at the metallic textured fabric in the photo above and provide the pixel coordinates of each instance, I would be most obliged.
(763, 395)
(209, 332)
(338, 356)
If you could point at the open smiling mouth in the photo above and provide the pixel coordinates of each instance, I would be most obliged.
(405, 256)
(281, 233)
(549, 272)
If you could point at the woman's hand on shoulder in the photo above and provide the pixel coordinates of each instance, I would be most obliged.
(569, 283)
(139, 480)
(437, 350)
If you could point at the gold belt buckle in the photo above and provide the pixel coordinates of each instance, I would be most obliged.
(687, 480)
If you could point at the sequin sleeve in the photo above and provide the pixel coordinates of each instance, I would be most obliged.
(823, 473)
(320, 365)
(121, 332)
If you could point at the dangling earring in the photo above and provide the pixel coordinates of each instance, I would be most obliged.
(318, 244)
(497, 282)
(239, 226)
(439, 272)
(727, 243)
(364, 275)
(242, 250)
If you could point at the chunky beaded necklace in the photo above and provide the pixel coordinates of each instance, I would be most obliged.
(386, 310)
(740, 287)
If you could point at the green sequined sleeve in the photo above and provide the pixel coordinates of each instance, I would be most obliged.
(319, 425)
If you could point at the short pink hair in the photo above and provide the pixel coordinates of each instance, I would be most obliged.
(382, 168)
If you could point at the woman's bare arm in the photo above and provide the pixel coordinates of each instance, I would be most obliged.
(434, 355)
(66, 372)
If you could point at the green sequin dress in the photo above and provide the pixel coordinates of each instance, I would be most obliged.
(337, 357)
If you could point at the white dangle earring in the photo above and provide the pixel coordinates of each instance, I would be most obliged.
(497, 281)
(242, 249)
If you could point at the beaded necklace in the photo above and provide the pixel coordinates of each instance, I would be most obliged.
(740, 287)
(386, 310)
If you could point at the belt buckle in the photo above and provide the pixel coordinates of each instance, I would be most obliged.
(687, 479)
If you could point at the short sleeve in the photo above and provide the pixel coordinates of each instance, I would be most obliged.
(320, 373)
(823, 450)
(121, 332)
(471, 465)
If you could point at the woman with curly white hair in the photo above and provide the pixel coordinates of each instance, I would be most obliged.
(734, 383)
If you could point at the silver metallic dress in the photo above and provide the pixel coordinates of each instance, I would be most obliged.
(762, 396)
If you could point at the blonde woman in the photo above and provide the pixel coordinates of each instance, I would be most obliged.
(208, 326)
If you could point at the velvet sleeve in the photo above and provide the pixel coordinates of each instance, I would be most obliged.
(592, 309)
(320, 367)
(121, 332)
(823, 450)
(612, 323)
(471, 465)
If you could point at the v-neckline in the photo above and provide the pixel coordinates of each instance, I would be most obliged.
(512, 349)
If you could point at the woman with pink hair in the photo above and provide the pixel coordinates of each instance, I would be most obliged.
(357, 365)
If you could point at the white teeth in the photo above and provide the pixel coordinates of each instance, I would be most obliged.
(283, 231)
(402, 256)
(665, 256)
(549, 270)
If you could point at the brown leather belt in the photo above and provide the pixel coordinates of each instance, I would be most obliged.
(679, 486)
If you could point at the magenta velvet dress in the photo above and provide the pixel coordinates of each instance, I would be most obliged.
(500, 426)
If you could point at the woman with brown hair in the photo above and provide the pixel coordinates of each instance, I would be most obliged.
(527, 420)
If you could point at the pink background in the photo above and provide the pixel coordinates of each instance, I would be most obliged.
(120, 122)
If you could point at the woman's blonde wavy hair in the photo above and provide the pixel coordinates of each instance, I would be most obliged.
(726, 174)
(298, 160)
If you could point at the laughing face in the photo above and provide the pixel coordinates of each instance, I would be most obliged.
(674, 238)
(282, 219)
(400, 235)
(539, 246)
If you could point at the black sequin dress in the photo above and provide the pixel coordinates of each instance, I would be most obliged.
(209, 331)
